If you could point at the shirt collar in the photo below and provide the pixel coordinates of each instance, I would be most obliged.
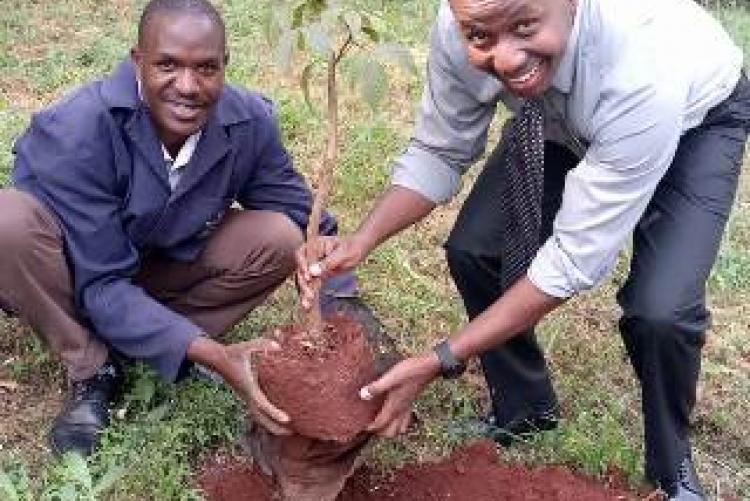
(185, 153)
(563, 79)
(187, 149)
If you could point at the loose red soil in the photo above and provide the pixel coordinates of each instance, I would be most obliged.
(470, 474)
(318, 380)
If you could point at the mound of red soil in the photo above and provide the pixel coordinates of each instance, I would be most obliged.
(471, 474)
(318, 380)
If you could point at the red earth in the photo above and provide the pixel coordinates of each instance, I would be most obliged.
(470, 474)
(319, 378)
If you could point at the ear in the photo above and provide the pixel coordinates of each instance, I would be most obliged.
(136, 55)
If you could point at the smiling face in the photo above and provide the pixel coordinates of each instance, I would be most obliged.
(519, 41)
(180, 62)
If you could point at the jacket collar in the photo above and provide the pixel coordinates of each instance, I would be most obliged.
(120, 90)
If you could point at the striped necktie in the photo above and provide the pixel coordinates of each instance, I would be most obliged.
(522, 191)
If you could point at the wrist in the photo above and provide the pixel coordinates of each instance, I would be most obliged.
(364, 243)
(208, 353)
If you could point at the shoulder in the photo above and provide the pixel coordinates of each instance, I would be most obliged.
(79, 117)
(238, 105)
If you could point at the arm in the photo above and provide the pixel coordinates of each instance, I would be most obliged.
(66, 159)
(604, 198)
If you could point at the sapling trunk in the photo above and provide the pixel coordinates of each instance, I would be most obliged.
(323, 179)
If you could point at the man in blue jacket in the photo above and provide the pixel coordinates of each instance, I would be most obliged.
(122, 234)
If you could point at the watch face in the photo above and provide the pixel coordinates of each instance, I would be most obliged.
(450, 366)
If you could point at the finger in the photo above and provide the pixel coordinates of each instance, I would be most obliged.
(384, 417)
(272, 426)
(258, 345)
(391, 429)
(259, 398)
(385, 383)
(405, 423)
(301, 258)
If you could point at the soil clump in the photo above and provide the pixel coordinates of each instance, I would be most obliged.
(470, 474)
(317, 379)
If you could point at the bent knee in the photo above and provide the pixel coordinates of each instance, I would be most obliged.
(23, 221)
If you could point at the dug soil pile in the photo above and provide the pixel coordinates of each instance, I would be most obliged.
(470, 474)
(317, 380)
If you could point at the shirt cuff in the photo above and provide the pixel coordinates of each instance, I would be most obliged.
(553, 272)
(427, 174)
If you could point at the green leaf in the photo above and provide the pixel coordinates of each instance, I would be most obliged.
(368, 29)
(353, 22)
(158, 413)
(285, 51)
(318, 39)
(7, 489)
(305, 84)
(113, 474)
(398, 54)
(374, 83)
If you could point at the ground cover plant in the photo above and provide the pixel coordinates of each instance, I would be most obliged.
(162, 432)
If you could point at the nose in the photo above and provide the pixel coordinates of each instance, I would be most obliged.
(186, 82)
(507, 59)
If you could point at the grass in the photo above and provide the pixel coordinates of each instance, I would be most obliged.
(48, 47)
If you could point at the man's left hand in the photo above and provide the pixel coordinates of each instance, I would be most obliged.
(401, 385)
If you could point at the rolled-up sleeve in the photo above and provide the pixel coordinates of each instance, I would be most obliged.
(457, 107)
(637, 131)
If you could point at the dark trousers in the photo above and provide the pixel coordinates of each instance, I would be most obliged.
(663, 301)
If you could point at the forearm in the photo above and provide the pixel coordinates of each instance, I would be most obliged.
(521, 307)
(398, 209)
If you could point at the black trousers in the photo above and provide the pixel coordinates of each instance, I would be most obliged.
(664, 315)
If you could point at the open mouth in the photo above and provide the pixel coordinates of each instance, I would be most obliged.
(185, 111)
(527, 78)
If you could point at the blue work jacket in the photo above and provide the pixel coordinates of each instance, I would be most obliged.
(95, 161)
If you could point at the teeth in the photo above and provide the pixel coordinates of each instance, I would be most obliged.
(526, 77)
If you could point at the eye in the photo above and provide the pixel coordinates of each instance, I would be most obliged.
(477, 36)
(208, 69)
(525, 28)
(166, 65)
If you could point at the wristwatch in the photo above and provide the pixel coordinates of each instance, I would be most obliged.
(450, 366)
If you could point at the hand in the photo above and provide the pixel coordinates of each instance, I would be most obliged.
(401, 385)
(260, 409)
(337, 255)
(234, 364)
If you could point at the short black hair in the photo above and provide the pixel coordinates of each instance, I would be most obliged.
(201, 7)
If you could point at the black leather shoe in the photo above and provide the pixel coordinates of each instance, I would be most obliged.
(86, 413)
(524, 426)
(687, 487)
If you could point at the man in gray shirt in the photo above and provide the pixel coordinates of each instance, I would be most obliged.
(644, 132)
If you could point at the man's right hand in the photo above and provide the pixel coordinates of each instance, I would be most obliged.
(337, 255)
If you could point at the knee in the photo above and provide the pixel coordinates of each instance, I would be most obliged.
(257, 241)
(19, 224)
(661, 314)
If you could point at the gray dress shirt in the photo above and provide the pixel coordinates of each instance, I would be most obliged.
(635, 76)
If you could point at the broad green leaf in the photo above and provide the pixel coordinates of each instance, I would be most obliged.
(368, 29)
(374, 83)
(7, 489)
(285, 51)
(318, 39)
(77, 470)
(305, 84)
(398, 54)
(353, 21)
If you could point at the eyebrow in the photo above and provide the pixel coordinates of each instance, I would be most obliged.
(514, 11)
